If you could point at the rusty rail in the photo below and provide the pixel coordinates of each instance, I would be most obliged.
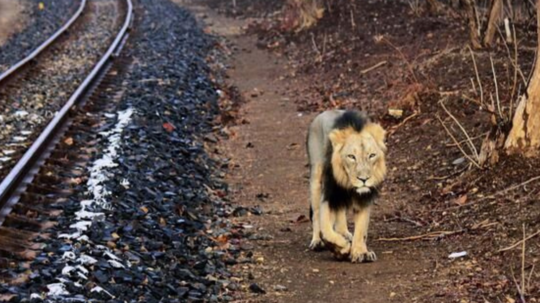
(15, 183)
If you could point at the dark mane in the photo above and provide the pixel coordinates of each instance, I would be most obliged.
(337, 196)
(351, 118)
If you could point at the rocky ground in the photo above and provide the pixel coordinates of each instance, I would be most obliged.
(38, 25)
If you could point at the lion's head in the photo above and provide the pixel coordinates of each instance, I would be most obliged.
(358, 158)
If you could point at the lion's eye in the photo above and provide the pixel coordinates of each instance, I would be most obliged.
(371, 156)
(351, 157)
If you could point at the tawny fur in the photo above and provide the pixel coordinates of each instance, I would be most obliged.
(358, 164)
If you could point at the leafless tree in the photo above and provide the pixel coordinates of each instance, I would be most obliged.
(524, 137)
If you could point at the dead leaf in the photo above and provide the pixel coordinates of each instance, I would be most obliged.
(461, 200)
(69, 141)
(426, 121)
(168, 127)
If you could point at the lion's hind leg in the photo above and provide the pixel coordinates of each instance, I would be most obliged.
(315, 186)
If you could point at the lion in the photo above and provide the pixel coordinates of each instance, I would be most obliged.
(346, 153)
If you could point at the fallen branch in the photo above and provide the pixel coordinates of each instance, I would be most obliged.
(511, 188)
(405, 219)
(437, 234)
(520, 242)
(367, 70)
(429, 236)
(395, 128)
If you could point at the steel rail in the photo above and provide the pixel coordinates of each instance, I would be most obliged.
(26, 168)
(44, 45)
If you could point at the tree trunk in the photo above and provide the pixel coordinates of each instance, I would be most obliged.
(494, 16)
(470, 7)
(524, 136)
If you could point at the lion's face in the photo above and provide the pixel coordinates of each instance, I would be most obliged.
(358, 159)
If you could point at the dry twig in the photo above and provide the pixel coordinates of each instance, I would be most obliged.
(463, 141)
(450, 175)
(315, 48)
(409, 65)
(511, 188)
(395, 128)
(428, 236)
(523, 288)
(367, 70)
(496, 87)
(457, 144)
(437, 234)
(519, 242)
(401, 218)
(469, 140)
(477, 76)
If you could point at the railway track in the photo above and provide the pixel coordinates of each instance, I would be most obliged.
(51, 167)
(36, 88)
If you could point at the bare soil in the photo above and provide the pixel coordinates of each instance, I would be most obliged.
(11, 18)
(288, 78)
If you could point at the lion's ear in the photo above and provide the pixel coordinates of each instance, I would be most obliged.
(337, 137)
(378, 133)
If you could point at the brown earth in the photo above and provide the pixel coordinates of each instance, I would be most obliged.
(430, 188)
(11, 18)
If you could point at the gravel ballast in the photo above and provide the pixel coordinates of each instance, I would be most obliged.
(41, 23)
(151, 221)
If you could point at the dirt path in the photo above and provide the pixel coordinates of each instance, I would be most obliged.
(275, 165)
(10, 18)
(271, 172)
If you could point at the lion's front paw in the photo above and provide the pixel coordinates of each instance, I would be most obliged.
(316, 244)
(359, 256)
(340, 252)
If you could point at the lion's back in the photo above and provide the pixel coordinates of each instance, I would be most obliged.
(318, 135)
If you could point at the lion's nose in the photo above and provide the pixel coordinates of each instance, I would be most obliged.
(363, 179)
